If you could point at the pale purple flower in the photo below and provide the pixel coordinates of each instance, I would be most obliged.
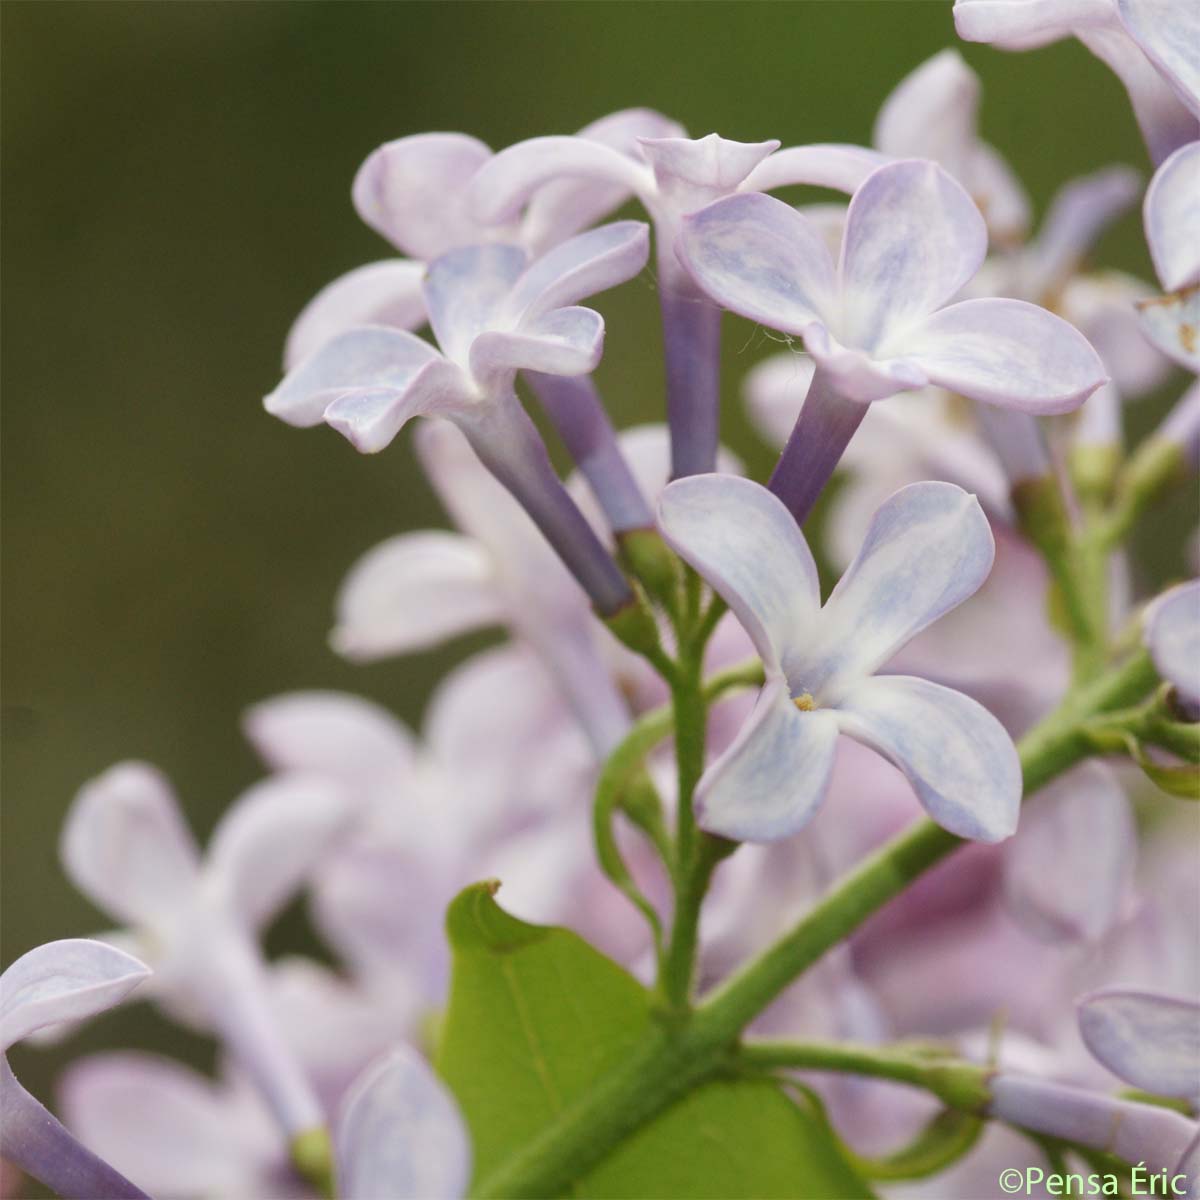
(1069, 869)
(1147, 1134)
(1150, 45)
(126, 847)
(1149, 1039)
(181, 1135)
(418, 589)
(56, 983)
(933, 113)
(493, 312)
(499, 785)
(1172, 218)
(878, 323)
(672, 176)
(928, 549)
(1172, 633)
(401, 1135)
(413, 191)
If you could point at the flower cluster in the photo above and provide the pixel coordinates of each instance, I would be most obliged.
(712, 743)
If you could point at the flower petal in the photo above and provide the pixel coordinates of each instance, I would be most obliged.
(125, 846)
(999, 195)
(381, 293)
(586, 264)
(271, 838)
(829, 164)
(63, 981)
(1173, 636)
(691, 172)
(1078, 214)
(414, 591)
(370, 418)
(759, 258)
(1168, 31)
(929, 547)
(370, 357)
(931, 113)
(568, 341)
(1025, 24)
(1007, 352)
(412, 191)
(504, 184)
(465, 291)
(328, 733)
(913, 239)
(770, 781)
(745, 544)
(400, 1135)
(960, 761)
(1171, 212)
(1172, 323)
(1149, 1039)
(158, 1122)
(1070, 865)
(563, 207)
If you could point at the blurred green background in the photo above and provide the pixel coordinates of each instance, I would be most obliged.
(176, 186)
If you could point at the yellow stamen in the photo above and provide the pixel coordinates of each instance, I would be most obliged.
(805, 702)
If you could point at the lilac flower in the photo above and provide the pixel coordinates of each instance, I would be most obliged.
(1172, 218)
(418, 589)
(493, 313)
(64, 981)
(672, 176)
(126, 847)
(1150, 45)
(876, 324)
(412, 191)
(1172, 633)
(933, 113)
(928, 549)
(1149, 1039)
(181, 1135)
(401, 1136)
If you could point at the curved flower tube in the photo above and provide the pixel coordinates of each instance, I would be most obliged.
(493, 312)
(125, 846)
(928, 549)
(878, 323)
(59, 982)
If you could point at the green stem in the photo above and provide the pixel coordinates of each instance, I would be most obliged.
(1157, 465)
(677, 1056)
(958, 1084)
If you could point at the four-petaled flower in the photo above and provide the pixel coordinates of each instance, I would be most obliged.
(493, 313)
(879, 322)
(928, 549)
(126, 847)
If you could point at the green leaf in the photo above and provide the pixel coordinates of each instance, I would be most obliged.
(537, 1016)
